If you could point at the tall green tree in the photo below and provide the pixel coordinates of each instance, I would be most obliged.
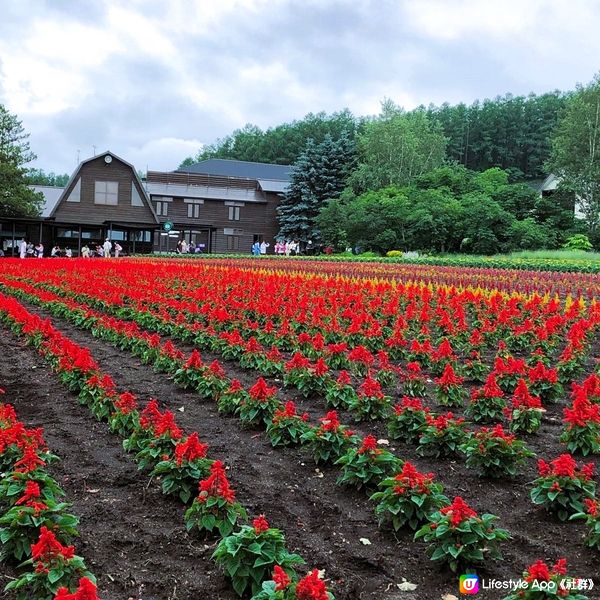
(318, 176)
(396, 148)
(282, 144)
(510, 132)
(16, 198)
(40, 177)
(576, 150)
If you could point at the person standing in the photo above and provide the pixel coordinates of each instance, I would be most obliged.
(118, 249)
(107, 247)
(40, 250)
(85, 251)
(256, 249)
(263, 247)
(22, 248)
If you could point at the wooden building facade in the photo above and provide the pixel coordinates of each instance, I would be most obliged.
(219, 206)
(221, 214)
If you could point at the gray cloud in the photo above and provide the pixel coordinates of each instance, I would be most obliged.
(153, 80)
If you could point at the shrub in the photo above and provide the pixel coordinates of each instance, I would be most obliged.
(407, 498)
(215, 506)
(329, 440)
(494, 453)
(408, 420)
(54, 566)
(543, 582)
(367, 465)
(249, 555)
(284, 587)
(562, 488)
(582, 426)
(457, 535)
(579, 241)
(287, 426)
(394, 253)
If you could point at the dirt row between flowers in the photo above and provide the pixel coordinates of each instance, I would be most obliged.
(323, 522)
(132, 538)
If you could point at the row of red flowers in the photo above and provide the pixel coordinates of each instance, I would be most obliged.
(35, 525)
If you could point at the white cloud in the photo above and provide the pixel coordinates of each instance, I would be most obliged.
(161, 154)
(449, 20)
(149, 79)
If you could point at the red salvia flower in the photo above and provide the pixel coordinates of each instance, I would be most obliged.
(216, 369)
(235, 386)
(281, 579)
(370, 388)
(150, 416)
(369, 446)
(459, 511)
(261, 391)
(410, 479)
(166, 425)
(190, 450)
(126, 403)
(330, 421)
(344, 378)
(260, 524)
(194, 361)
(48, 548)
(30, 461)
(216, 484)
(538, 571)
(298, 361)
(311, 587)
(85, 591)
(449, 377)
(320, 367)
(592, 507)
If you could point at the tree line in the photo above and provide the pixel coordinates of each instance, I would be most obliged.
(438, 178)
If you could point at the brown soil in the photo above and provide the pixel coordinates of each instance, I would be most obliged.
(134, 540)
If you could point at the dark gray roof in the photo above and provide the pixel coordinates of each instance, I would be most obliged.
(51, 197)
(239, 168)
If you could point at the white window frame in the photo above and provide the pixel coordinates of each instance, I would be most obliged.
(106, 193)
(193, 210)
(162, 208)
(234, 213)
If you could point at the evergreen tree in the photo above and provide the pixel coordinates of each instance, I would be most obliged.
(16, 198)
(319, 175)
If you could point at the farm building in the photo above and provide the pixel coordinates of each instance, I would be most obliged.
(220, 205)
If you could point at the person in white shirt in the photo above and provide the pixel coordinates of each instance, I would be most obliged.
(263, 247)
(107, 246)
(184, 247)
(68, 253)
(40, 250)
(118, 249)
(23, 248)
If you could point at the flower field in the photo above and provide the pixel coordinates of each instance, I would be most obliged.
(273, 430)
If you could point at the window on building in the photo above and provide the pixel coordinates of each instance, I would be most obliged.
(234, 213)
(106, 192)
(142, 236)
(162, 209)
(67, 233)
(233, 242)
(193, 210)
(91, 234)
(118, 235)
(136, 199)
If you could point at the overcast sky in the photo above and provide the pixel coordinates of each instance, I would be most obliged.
(153, 80)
